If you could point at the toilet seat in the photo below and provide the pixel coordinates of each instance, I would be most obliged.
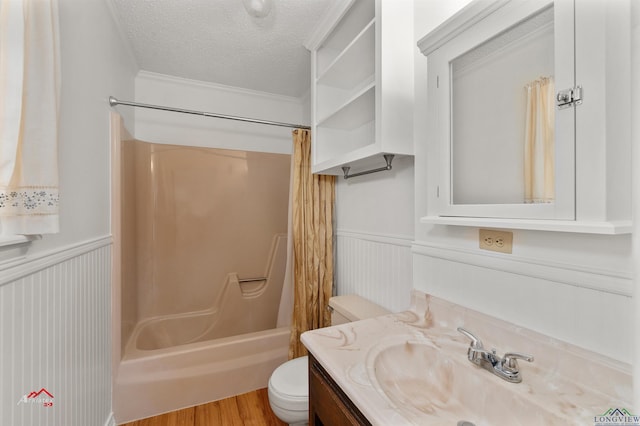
(289, 385)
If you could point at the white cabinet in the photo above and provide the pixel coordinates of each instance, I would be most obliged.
(362, 85)
(481, 63)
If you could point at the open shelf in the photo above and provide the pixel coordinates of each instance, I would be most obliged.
(354, 64)
(329, 99)
(365, 157)
(346, 30)
(353, 113)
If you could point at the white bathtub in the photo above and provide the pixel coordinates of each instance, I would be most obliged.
(150, 382)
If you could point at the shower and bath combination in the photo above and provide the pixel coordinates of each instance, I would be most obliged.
(203, 241)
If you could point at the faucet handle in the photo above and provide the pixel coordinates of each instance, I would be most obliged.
(509, 360)
(475, 342)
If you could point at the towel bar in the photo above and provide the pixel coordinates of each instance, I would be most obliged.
(387, 157)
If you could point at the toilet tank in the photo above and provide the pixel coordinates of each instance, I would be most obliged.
(353, 308)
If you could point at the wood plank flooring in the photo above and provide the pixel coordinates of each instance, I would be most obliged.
(249, 409)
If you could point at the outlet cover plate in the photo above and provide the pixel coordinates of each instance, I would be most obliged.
(500, 241)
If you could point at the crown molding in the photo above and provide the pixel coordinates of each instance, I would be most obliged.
(468, 16)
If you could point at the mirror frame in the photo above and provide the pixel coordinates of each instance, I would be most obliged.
(501, 16)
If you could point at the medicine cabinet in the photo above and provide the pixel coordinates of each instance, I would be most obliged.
(529, 116)
(362, 85)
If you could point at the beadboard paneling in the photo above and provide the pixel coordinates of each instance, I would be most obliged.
(376, 267)
(55, 322)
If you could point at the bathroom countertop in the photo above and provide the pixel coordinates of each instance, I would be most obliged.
(565, 385)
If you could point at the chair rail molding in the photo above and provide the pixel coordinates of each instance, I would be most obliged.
(24, 265)
(605, 280)
(394, 239)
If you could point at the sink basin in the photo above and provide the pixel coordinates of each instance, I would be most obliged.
(429, 387)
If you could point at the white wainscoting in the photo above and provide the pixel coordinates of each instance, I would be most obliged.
(376, 267)
(55, 320)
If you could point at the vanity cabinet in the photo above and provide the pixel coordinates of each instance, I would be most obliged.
(328, 404)
(485, 156)
(362, 85)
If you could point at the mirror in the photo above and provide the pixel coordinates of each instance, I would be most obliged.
(480, 64)
(504, 148)
(502, 126)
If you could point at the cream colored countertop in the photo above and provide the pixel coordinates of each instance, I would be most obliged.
(411, 368)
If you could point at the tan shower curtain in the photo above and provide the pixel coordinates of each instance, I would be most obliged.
(539, 150)
(313, 197)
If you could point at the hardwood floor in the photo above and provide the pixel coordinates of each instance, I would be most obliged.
(249, 409)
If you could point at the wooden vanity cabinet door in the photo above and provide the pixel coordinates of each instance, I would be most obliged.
(328, 404)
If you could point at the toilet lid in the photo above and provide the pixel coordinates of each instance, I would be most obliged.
(290, 384)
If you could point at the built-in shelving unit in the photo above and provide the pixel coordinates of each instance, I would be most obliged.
(362, 93)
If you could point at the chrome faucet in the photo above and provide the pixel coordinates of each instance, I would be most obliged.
(506, 367)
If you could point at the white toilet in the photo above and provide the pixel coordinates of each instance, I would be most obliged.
(289, 383)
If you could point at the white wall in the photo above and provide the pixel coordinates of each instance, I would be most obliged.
(374, 217)
(375, 213)
(184, 129)
(95, 64)
(574, 287)
(59, 289)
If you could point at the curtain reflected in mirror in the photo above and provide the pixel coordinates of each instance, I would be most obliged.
(539, 149)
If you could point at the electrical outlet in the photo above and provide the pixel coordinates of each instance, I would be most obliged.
(501, 241)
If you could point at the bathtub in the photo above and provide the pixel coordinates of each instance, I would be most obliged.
(150, 382)
(177, 361)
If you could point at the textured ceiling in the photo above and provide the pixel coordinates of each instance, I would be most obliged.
(218, 41)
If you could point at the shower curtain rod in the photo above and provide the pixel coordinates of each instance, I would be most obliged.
(113, 102)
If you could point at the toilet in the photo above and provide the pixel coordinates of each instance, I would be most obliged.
(289, 384)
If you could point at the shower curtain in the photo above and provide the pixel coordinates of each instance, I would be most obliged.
(312, 217)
